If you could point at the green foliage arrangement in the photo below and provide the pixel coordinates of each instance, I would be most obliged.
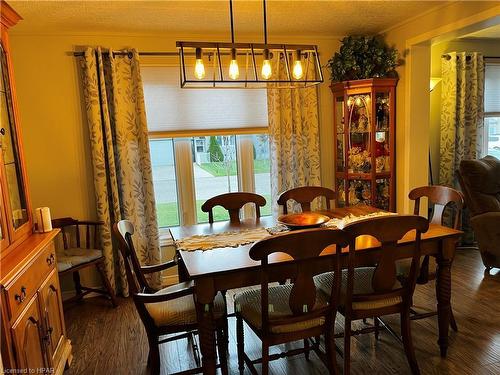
(362, 57)
(215, 150)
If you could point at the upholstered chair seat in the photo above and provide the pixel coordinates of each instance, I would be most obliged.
(362, 285)
(248, 303)
(180, 311)
(73, 257)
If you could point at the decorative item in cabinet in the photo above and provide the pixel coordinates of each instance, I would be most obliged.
(364, 140)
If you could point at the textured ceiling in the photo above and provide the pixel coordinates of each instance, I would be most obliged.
(489, 33)
(322, 18)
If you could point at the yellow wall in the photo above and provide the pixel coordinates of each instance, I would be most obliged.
(488, 47)
(412, 119)
(54, 129)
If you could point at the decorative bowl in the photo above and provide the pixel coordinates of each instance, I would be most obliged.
(303, 220)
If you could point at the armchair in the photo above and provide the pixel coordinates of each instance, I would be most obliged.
(480, 181)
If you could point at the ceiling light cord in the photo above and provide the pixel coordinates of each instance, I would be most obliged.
(231, 15)
(265, 21)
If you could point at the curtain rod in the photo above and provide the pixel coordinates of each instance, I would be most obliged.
(447, 56)
(123, 53)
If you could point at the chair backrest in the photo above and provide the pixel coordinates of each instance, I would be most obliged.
(305, 247)
(441, 197)
(304, 195)
(123, 232)
(70, 226)
(480, 182)
(387, 230)
(233, 202)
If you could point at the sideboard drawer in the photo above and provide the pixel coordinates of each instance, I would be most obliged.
(20, 291)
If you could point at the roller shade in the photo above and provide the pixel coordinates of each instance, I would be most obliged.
(492, 87)
(170, 108)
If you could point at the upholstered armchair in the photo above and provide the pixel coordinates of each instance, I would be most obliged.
(480, 181)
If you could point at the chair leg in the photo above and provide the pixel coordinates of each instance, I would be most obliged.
(407, 342)
(107, 284)
(222, 349)
(240, 338)
(376, 323)
(347, 346)
(78, 285)
(154, 355)
(453, 322)
(306, 348)
(265, 358)
(331, 354)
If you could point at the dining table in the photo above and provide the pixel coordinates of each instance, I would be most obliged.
(224, 268)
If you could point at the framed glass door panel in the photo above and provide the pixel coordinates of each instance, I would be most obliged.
(359, 136)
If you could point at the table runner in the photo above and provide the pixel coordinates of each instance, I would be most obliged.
(244, 237)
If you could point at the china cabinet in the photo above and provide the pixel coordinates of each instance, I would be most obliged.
(364, 142)
(32, 331)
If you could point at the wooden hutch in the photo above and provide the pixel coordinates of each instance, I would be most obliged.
(33, 334)
(364, 142)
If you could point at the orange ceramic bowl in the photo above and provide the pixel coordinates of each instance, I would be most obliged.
(303, 220)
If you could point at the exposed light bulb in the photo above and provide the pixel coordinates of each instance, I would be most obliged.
(199, 68)
(234, 71)
(266, 66)
(297, 72)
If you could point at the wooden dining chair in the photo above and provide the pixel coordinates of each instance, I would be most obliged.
(233, 202)
(439, 199)
(167, 311)
(374, 291)
(79, 253)
(304, 195)
(298, 311)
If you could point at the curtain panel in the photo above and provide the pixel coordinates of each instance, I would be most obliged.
(461, 112)
(123, 182)
(293, 135)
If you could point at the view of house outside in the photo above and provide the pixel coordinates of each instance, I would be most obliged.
(215, 172)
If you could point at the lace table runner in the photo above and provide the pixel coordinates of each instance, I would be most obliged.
(247, 236)
(225, 239)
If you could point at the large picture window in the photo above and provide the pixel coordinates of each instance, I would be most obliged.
(492, 108)
(199, 154)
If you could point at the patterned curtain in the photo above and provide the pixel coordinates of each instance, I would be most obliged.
(123, 182)
(294, 135)
(461, 112)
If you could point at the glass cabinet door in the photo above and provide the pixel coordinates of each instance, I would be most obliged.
(359, 127)
(12, 171)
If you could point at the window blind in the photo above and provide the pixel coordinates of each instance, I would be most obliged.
(492, 88)
(170, 108)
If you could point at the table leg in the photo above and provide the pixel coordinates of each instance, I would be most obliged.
(206, 326)
(443, 291)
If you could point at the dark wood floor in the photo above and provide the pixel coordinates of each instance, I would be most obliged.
(113, 341)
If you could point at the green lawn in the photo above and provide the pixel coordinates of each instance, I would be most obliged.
(218, 169)
(168, 216)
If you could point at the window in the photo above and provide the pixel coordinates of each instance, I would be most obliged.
(204, 143)
(492, 108)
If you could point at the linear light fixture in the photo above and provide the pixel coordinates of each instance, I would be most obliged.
(248, 65)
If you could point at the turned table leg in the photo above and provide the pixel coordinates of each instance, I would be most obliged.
(443, 291)
(204, 296)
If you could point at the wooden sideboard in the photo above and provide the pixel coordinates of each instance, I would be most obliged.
(32, 333)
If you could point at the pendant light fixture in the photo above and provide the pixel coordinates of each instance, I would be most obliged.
(248, 65)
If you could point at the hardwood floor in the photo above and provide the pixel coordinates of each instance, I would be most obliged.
(113, 341)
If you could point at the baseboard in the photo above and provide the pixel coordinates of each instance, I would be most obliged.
(66, 294)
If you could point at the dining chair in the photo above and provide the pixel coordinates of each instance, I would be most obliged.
(374, 291)
(233, 202)
(79, 253)
(298, 311)
(439, 199)
(167, 311)
(304, 195)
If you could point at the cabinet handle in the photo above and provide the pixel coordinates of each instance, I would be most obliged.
(50, 259)
(21, 297)
(2, 131)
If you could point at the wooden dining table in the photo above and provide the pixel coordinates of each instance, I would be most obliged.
(227, 268)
